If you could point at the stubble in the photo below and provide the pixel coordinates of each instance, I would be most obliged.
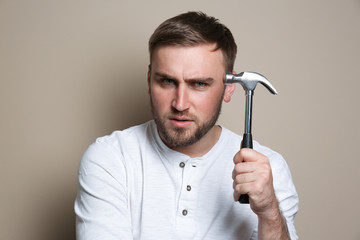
(182, 137)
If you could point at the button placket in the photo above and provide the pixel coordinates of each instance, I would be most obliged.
(186, 224)
(188, 197)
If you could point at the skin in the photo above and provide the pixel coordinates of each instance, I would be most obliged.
(186, 90)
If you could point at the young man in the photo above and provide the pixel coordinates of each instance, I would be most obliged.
(179, 176)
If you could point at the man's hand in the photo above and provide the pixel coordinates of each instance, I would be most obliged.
(252, 175)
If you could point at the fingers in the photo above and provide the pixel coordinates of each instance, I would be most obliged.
(249, 155)
(248, 160)
(255, 185)
(243, 181)
(244, 178)
(241, 189)
(244, 167)
(251, 174)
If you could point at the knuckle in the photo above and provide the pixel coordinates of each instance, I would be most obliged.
(264, 175)
(266, 167)
(258, 188)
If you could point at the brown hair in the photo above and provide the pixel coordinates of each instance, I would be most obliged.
(193, 28)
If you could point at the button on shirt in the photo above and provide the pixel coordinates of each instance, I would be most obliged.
(132, 186)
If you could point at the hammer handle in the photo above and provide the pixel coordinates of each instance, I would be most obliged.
(246, 143)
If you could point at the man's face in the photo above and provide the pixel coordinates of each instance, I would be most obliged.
(186, 91)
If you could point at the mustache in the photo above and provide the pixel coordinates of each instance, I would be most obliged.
(176, 112)
(183, 114)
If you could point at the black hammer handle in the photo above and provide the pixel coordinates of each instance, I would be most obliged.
(246, 143)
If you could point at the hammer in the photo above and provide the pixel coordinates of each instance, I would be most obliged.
(248, 81)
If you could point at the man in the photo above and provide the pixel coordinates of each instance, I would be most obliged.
(179, 176)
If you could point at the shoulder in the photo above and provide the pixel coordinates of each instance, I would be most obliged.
(121, 136)
(108, 151)
(276, 159)
(231, 137)
(235, 140)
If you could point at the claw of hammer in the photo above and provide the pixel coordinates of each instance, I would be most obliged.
(248, 81)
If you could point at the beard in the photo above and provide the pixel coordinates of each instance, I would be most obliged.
(181, 137)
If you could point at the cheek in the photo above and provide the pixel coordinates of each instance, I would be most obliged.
(211, 100)
(159, 98)
(206, 106)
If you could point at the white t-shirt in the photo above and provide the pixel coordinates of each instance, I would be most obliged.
(132, 186)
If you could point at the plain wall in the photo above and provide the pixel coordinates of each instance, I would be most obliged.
(71, 71)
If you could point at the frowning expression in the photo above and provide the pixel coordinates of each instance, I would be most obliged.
(186, 91)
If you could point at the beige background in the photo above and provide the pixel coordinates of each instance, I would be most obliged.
(72, 71)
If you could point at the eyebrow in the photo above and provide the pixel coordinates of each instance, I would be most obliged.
(163, 75)
(205, 79)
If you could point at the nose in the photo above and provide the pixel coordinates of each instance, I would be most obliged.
(181, 99)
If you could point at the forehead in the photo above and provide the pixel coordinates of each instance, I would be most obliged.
(202, 59)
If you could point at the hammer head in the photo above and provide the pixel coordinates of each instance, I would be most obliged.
(248, 81)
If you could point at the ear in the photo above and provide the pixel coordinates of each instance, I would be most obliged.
(229, 90)
(148, 77)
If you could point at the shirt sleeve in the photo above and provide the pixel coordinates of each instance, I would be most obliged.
(285, 192)
(101, 205)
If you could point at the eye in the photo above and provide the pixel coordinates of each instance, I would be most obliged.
(200, 84)
(167, 81)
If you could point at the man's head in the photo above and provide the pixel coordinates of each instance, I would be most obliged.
(194, 28)
(188, 65)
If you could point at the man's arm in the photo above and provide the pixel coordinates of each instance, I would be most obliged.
(101, 205)
(273, 226)
(253, 176)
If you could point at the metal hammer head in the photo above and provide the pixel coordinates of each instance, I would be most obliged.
(248, 81)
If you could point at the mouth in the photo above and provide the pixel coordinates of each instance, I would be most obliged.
(180, 121)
